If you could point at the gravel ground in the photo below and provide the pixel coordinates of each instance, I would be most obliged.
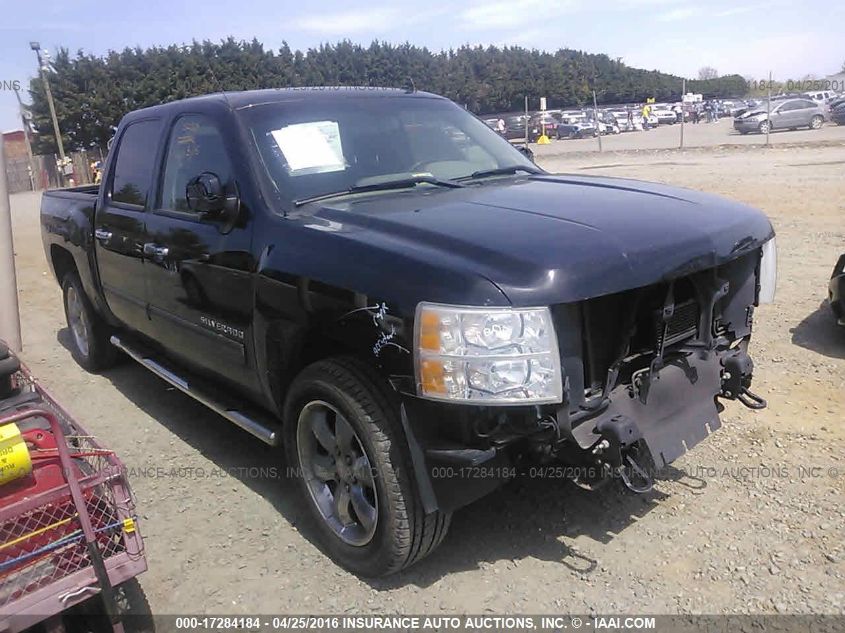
(752, 520)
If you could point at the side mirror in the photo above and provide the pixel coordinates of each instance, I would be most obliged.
(207, 197)
(526, 151)
(205, 194)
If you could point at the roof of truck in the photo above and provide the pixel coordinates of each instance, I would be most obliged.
(247, 98)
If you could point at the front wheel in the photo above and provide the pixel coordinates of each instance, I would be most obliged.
(816, 122)
(344, 437)
(765, 127)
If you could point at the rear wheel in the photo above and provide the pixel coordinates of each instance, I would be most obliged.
(89, 333)
(345, 439)
(816, 122)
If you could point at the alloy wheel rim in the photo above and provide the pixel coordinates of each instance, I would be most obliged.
(77, 321)
(337, 473)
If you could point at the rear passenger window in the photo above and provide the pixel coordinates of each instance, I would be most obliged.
(133, 167)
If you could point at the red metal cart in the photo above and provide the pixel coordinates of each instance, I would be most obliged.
(69, 535)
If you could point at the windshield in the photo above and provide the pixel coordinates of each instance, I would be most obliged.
(313, 148)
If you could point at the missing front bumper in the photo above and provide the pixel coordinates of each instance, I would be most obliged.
(665, 413)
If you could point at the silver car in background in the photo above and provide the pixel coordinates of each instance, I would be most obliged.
(788, 114)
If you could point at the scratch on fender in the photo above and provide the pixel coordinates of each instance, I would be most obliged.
(379, 313)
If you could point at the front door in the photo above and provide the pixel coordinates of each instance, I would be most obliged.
(199, 268)
(786, 116)
(119, 223)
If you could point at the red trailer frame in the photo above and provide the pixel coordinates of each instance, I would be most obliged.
(75, 539)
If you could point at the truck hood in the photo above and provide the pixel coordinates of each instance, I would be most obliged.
(549, 239)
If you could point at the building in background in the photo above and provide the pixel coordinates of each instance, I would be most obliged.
(18, 169)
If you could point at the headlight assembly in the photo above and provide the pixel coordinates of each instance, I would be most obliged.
(768, 272)
(486, 356)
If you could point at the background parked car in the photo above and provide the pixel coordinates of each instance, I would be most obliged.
(545, 123)
(491, 122)
(837, 114)
(607, 122)
(625, 124)
(663, 114)
(789, 114)
(574, 115)
(569, 128)
(515, 126)
(733, 107)
(821, 96)
(750, 104)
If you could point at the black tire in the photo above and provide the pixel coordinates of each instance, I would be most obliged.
(763, 125)
(816, 122)
(403, 532)
(89, 343)
(134, 607)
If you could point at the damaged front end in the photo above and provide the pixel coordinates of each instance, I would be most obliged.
(646, 367)
(643, 371)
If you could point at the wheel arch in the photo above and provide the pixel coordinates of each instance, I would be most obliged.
(291, 347)
(62, 261)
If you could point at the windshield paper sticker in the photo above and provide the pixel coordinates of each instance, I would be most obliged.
(311, 148)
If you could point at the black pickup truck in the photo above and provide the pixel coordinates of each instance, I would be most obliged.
(405, 301)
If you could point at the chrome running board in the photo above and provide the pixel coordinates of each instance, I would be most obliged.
(261, 425)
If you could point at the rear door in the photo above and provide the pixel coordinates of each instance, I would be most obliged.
(199, 270)
(805, 111)
(119, 222)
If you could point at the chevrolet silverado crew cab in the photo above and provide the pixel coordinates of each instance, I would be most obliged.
(379, 282)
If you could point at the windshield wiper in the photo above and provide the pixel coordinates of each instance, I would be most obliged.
(501, 171)
(399, 183)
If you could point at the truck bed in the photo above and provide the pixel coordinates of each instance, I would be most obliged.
(72, 192)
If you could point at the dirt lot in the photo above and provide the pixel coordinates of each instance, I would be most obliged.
(751, 520)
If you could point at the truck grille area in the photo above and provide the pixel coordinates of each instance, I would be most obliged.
(683, 324)
(639, 321)
(710, 307)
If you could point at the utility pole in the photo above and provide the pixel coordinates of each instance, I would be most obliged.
(769, 108)
(25, 124)
(683, 94)
(526, 120)
(37, 48)
(596, 115)
(10, 319)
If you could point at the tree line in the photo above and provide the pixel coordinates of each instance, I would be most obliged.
(92, 93)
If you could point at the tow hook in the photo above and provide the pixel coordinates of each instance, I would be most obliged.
(643, 483)
(618, 447)
(736, 380)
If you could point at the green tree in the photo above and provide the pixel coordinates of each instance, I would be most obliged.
(92, 93)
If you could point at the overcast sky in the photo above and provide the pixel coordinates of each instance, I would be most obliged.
(748, 37)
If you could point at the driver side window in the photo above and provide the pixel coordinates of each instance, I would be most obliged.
(195, 146)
